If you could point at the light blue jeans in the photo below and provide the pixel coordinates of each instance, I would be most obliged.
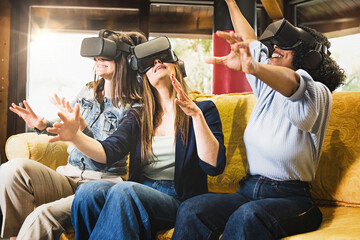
(261, 209)
(127, 210)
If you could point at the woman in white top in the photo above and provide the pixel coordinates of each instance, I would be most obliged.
(283, 138)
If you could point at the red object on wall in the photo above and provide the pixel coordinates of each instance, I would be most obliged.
(226, 80)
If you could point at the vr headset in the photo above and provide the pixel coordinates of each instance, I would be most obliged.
(143, 55)
(287, 37)
(140, 57)
(101, 46)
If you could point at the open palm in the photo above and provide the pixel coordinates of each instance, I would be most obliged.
(31, 119)
(68, 127)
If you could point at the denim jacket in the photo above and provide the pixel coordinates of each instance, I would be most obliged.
(102, 120)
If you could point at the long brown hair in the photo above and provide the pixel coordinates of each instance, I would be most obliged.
(151, 113)
(125, 87)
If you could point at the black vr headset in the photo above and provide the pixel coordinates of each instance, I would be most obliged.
(140, 57)
(287, 37)
(102, 46)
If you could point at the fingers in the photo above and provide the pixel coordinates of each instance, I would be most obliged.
(181, 95)
(231, 37)
(68, 107)
(180, 103)
(63, 103)
(77, 111)
(14, 109)
(54, 139)
(62, 117)
(215, 60)
(18, 110)
(27, 106)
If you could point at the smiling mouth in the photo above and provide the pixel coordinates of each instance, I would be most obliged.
(159, 67)
(276, 55)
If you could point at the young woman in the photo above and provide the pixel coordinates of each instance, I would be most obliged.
(25, 184)
(173, 143)
(283, 142)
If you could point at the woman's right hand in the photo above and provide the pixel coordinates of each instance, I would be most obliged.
(239, 58)
(31, 119)
(68, 127)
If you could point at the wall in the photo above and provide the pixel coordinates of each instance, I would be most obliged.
(4, 70)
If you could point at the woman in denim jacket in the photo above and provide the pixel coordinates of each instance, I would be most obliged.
(25, 184)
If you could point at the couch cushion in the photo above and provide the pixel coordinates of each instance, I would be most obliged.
(338, 223)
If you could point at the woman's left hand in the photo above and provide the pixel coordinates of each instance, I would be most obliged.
(183, 100)
(68, 127)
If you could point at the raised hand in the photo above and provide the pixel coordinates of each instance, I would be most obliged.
(68, 127)
(61, 104)
(239, 57)
(65, 107)
(31, 119)
(183, 100)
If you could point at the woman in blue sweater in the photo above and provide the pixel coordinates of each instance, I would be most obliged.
(283, 138)
(174, 143)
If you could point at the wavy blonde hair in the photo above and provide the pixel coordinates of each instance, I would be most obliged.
(151, 113)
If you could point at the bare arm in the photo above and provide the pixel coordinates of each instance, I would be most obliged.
(282, 79)
(242, 27)
(206, 143)
(68, 130)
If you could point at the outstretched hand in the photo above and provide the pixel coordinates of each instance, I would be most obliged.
(239, 58)
(61, 104)
(183, 100)
(65, 107)
(31, 119)
(68, 127)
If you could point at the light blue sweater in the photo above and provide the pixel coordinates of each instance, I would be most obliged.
(284, 135)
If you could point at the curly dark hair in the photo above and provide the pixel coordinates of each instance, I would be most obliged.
(328, 72)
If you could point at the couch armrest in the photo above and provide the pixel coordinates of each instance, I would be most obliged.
(37, 147)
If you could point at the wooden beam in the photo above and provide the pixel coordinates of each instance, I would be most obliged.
(274, 8)
(4, 72)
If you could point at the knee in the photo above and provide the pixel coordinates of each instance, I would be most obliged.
(123, 188)
(246, 216)
(91, 192)
(41, 214)
(187, 209)
(191, 209)
(14, 169)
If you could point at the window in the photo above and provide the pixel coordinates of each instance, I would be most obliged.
(345, 51)
(189, 28)
(55, 66)
(54, 61)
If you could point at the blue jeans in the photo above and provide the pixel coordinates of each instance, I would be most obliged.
(261, 209)
(127, 210)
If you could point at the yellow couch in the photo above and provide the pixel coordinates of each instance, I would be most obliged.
(336, 187)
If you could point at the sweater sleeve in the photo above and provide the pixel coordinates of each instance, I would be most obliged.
(310, 105)
(118, 145)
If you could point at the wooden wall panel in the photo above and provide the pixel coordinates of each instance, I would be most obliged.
(4, 71)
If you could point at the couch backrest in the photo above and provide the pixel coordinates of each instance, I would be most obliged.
(235, 110)
(338, 176)
(337, 179)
